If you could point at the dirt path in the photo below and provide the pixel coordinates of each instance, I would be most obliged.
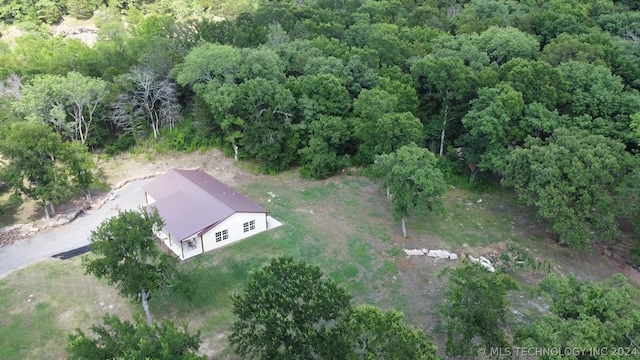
(70, 236)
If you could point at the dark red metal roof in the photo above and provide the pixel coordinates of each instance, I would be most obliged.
(192, 200)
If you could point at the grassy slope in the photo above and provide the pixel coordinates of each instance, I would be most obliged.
(43, 302)
(343, 224)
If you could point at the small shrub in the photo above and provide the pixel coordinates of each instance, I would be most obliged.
(517, 258)
(123, 143)
(81, 9)
(49, 12)
(185, 137)
(456, 173)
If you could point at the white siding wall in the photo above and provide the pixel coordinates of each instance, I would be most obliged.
(234, 225)
(150, 200)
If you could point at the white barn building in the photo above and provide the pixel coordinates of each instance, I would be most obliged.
(201, 213)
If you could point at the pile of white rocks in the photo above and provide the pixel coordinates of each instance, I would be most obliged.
(444, 254)
(484, 262)
(438, 254)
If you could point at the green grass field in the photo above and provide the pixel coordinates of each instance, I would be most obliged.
(45, 301)
(343, 224)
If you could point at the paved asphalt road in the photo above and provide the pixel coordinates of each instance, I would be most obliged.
(69, 236)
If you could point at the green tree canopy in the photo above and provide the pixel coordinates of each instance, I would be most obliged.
(592, 89)
(412, 176)
(586, 315)
(329, 147)
(504, 44)
(41, 166)
(288, 310)
(68, 103)
(387, 134)
(475, 308)
(537, 81)
(494, 125)
(126, 254)
(373, 334)
(117, 339)
(207, 62)
(571, 179)
(81, 9)
(442, 84)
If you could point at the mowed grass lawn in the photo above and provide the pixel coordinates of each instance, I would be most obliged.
(343, 224)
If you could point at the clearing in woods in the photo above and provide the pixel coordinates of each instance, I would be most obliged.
(344, 224)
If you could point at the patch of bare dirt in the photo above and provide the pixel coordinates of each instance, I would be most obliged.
(10, 35)
(619, 256)
(83, 30)
(213, 161)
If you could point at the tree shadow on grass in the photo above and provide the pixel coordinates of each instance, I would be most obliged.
(9, 208)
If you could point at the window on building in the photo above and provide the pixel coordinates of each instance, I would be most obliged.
(248, 226)
(222, 235)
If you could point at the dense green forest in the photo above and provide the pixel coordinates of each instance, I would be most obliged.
(542, 97)
(542, 94)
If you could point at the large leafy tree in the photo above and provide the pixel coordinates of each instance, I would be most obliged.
(256, 119)
(207, 62)
(441, 83)
(505, 43)
(586, 315)
(387, 134)
(81, 9)
(117, 339)
(475, 307)
(127, 255)
(592, 89)
(247, 99)
(412, 176)
(328, 148)
(322, 94)
(40, 166)
(571, 179)
(561, 16)
(537, 81)
(79, 167)
(375, 334)
(288, 310)
(463, 47)
(494, 125)
(35, 54)
(371, 104)
(69, 103)
(380, 127)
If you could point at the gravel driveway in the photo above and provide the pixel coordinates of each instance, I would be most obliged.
(70, 236)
